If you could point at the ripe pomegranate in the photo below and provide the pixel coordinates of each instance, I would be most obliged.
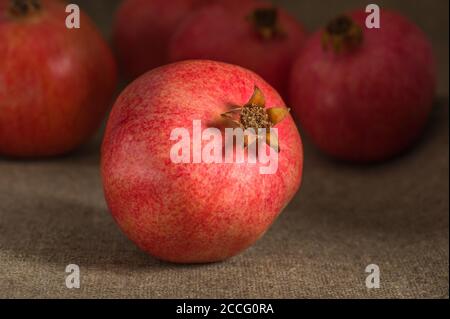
(253, 34)
(195, 212)
(364, 94)
(55, 83)
(142, 30)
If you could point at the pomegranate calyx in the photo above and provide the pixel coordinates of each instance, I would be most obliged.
(342, 34)
(266, 23)
(254, 115)
(21, 8)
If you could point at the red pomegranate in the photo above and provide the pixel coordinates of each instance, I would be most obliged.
(142, 31)
(253, 34)
(55, 83)
(195, 212)
(364, 94)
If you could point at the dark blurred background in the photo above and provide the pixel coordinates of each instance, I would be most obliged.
(431, 16)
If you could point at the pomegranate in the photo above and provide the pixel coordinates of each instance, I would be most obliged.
(55, 83)
(253, 34)
(364, 94)
(142, 30)
(195, 212)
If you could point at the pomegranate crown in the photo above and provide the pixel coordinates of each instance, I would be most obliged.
(266, 22)
(342, 34)
(254, 115)
(20, 8)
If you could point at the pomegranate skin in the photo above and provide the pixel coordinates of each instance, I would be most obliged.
(191, 213)
(142, 30)
(370, 103)
(221, 31)
(55, 83)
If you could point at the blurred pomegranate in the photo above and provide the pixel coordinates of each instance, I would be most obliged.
(142, 31)
(55, 83)
(364, 94)
(253, 34)
(195, 212)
